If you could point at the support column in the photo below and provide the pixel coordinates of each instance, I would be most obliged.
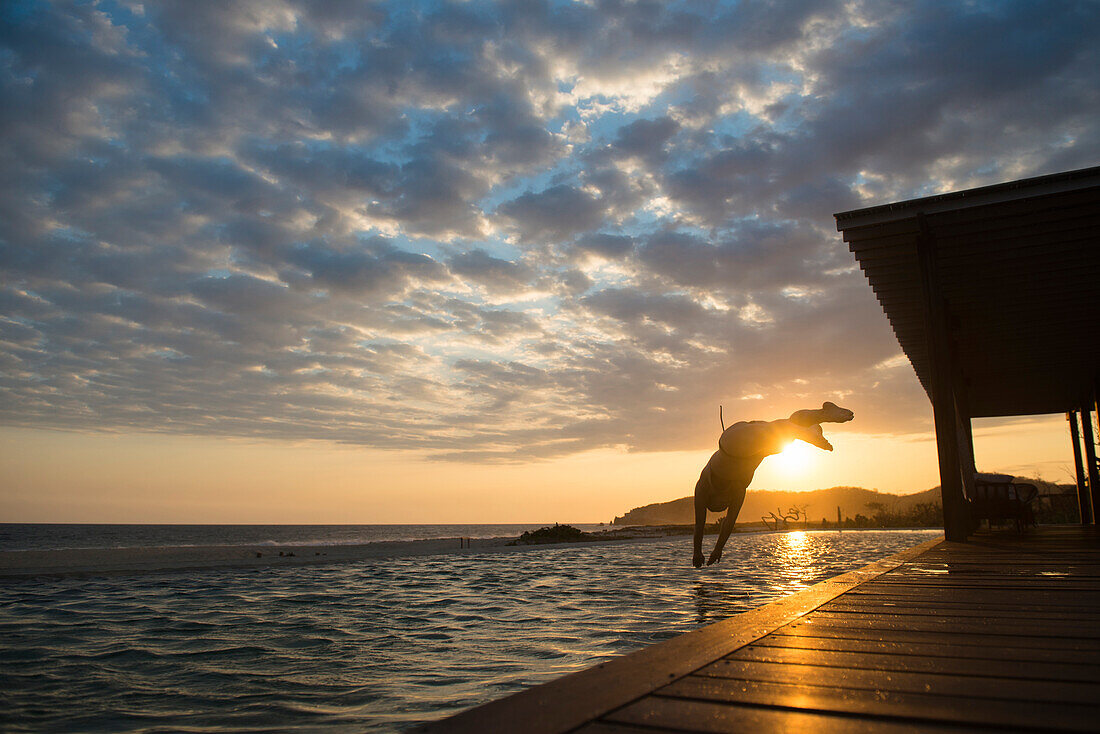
(965, 427)
(956, 513)
(1084, 503)
(1090, 457)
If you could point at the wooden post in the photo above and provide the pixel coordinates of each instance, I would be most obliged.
(1090, 458)
(1083, 501)
(965, 429)
(956, 514)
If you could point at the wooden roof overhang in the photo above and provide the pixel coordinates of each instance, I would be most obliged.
(1016, 269)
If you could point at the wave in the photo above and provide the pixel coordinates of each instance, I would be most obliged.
(381, 646)
(42, 537)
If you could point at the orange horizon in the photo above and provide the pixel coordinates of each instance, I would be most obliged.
(55, 476)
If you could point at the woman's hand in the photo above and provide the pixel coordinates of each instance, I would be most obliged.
(833, 413)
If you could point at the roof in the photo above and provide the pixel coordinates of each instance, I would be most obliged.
(1018, 267)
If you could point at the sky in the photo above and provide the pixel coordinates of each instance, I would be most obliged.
(485, 262)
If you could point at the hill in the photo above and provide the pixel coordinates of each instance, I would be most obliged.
(820, 504)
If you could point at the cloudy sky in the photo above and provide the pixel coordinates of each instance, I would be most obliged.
(491, 250)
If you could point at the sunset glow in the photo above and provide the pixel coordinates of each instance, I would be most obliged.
(796, 459)
(411, 365)
(267, 262)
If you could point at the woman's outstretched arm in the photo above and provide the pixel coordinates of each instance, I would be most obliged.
(723, 535)
(700, 526)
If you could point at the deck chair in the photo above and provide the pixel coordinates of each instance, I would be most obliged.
(998, 499)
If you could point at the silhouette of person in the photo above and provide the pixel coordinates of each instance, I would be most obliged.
(741, 448)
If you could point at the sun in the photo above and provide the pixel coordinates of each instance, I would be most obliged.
(795, 458)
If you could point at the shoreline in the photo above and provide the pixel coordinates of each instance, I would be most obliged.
(29, 564)
(84, 562)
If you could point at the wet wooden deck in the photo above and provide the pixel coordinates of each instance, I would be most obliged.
(1001, 633)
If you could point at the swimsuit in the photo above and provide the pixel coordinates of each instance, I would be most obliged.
(715, 488)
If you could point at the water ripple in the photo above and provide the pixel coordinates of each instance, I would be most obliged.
(372, 646)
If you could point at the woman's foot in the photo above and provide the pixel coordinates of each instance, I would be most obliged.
(833, 413)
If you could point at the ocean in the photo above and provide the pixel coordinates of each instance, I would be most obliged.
(377, 645)
(64, 536)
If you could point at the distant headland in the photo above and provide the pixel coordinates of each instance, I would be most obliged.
(835, 507)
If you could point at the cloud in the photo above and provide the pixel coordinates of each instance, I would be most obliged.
(374, 266)
(480, 267)
(605, 245)
(490, 231)
(645, 138)
(556, 213)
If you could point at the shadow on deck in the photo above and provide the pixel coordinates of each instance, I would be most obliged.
(1001, 632)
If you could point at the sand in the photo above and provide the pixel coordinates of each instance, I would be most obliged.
(101, 561)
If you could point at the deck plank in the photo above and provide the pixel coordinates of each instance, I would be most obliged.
(934, 649)
(940, 636)
(949, 618)
(1091, 586)
(1055, 595)
(1024, 669)
(603, 727)
(672, 714)
(976, 611)
(888, 704)
(907, 682)
(956, 626)
(1051, 612)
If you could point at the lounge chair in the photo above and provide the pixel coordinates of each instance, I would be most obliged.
(998, 499)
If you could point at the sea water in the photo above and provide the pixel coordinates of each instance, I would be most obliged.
(377, 645)
(66, 536)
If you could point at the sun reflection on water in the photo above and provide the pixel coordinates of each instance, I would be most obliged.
(796, 557)
(796, 539)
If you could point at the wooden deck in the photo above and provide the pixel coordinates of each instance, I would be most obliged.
(999, 633)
